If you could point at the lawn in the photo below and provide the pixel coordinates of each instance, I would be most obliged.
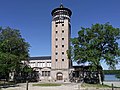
(47, 84)
(95, 85)
(6, 83)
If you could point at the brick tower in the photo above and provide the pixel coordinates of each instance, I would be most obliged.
(61, 29)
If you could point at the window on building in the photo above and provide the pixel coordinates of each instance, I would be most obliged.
(62, 24)
(43, 73)
(62, 31)
(56, 32)
(56, 25)
(56, 39)
(56, 53)
(39, 64)
(56, 46)
(48, 73)
(48, 64)
(56, 60)
(62, 59)
(62, 38)
(43, 64)
(62, 53)
(62, 45)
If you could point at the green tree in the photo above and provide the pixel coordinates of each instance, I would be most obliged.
(13, 49)
(117, 76)
(97, 44)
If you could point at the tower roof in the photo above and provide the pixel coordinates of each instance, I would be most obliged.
(61, 7)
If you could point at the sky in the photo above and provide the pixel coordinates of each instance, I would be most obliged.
(33, 18)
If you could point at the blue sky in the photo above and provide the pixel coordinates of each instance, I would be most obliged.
(33, 18)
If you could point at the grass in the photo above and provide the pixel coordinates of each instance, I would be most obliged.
(95, 85)
(6, 83)
(47, 84)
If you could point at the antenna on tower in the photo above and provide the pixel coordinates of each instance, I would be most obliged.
(61, 2)
(61, 5)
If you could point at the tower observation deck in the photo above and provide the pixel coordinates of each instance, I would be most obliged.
(61, 13)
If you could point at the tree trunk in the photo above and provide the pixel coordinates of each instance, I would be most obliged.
(27, 85)
(99, 77)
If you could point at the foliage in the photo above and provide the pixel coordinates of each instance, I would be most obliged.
(117, 76)
(111, 71)
(13, 49)
(96, 44)
(94, 85)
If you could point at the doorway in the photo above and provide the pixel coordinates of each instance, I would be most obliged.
(59, 76)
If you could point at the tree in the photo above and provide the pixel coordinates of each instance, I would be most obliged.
(13, 49)
(117, 76)
(97, 44)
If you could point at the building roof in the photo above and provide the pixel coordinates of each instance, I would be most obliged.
(40, 58)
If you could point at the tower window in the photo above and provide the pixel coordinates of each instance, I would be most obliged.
(56, 31)
(56, 53)
(62, 53)
(56, 39)
(62, 31)
(56, 25)
(56, 46)
(56, 60)
(62, 45)
(62, 24)
(62, 38)
(62, 59)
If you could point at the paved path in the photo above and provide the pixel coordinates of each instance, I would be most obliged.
(65, 86)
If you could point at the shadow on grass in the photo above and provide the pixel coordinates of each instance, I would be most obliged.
(8, 84)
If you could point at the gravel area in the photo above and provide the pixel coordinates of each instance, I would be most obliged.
(65, 86)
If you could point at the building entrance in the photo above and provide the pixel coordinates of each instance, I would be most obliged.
(59, 76)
